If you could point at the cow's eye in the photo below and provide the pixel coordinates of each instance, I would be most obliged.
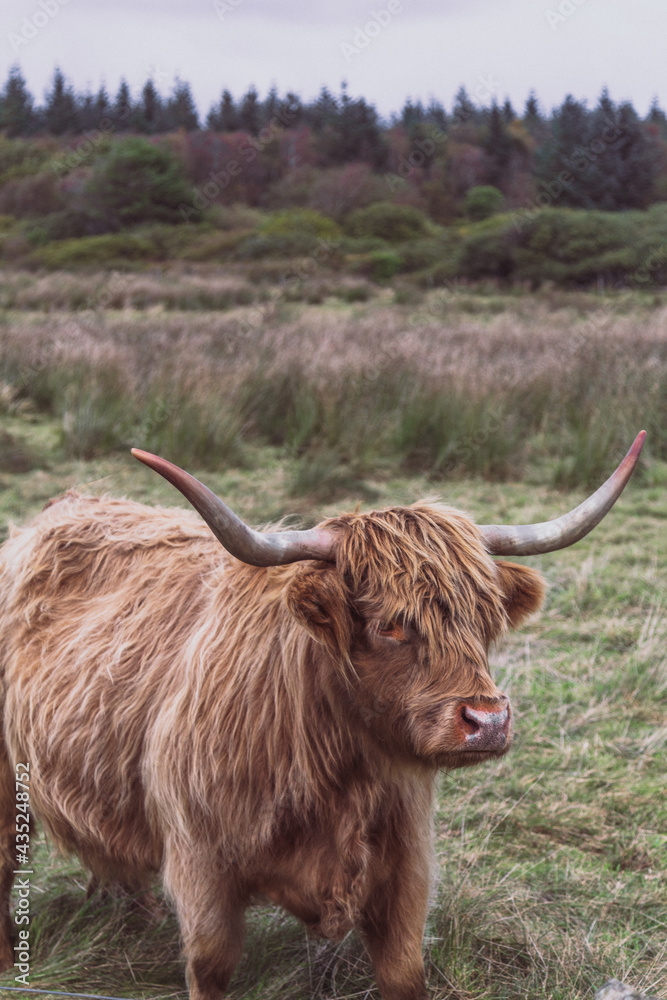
(392, 630)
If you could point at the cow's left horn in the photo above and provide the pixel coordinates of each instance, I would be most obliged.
(258, 548)
(531, 539)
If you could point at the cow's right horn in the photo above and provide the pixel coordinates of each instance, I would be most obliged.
(258, 548)
(532, 539)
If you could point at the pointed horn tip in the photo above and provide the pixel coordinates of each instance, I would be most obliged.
(628, 464)
(154, 462)
(638, 443)
(143, 456)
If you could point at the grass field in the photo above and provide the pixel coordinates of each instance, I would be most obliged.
(553, 861)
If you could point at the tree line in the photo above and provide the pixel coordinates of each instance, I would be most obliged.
(607, 156)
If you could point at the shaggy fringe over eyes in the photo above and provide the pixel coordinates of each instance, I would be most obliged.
(428, 565)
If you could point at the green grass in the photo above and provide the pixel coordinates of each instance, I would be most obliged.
(552, 862)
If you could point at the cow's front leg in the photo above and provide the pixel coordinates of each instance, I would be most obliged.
(393, 928)
(211, 916)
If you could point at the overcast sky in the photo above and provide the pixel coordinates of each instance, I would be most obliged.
(387, 50)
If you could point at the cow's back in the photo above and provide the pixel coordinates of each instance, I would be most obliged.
(97, 598)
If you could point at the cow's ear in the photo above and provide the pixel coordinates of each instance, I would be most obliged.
(523, 588)
(318, 600)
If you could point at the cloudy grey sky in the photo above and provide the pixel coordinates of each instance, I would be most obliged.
(385, 49)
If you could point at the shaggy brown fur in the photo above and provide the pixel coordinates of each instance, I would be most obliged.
(248, 733)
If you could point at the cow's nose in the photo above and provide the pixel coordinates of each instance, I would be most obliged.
(485, 728)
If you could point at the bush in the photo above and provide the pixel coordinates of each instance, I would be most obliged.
(109, 250)
(380, 265)
(301, 222)
(292, 233)
(341, 190)
(386, 221)
(67, 224)
(487, 252)
(36, 194)
(482, 202)
(354, 293)
(421, 254)
(291, 191)
(137, 182)
(574, 246)
(19, 158)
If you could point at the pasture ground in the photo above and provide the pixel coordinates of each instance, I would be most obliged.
(553, 861)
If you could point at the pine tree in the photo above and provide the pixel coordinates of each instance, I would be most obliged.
(436, 114)
(531, 112)
(598, 177)
(60, 111)
(412, 114)
(150, 110)
(17, 116)
(560, 158)
(250, 112)
(224, 116)
(229, 118)
(180, 110)
(498, 146)
(102, 105)
(509, 113)
(121, 112)
(270, 107)
(86, 112)
(534, 121)
(464, 111)
(291, 110)
(636, 159)
(323, 111)
(657, 118)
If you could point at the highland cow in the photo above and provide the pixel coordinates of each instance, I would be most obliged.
(259, 721)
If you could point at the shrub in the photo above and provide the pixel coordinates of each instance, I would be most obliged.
(421, 254)
(302, 222)
(19, 158)
(482, 202)
(386, 221)
(341, 190)
(574, 246)
(137, 182)
(292, 233)
(486, 252)
(36, 194)
(354, 293)
(109, 250)
(384, 264)
(68, 223)
(212, 246)
(291, 191)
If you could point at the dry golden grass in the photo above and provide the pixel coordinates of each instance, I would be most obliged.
(350, 388)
